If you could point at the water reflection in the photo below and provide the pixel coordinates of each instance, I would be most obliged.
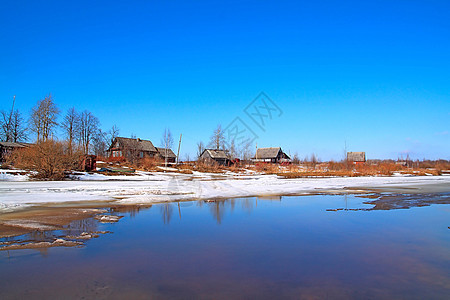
(131, 210)
(290, 249)
(395, 201)
(166, 212)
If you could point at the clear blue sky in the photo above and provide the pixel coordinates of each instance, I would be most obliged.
(375, 74)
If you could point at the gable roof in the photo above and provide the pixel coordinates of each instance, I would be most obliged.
(216, 153)
(143, 145)
(264, 153)
(270, 153)
(13, 144)
(356, 156)
(162, 152)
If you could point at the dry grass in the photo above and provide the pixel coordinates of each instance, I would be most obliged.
(342, 169)
(209, 167)
(149, 164)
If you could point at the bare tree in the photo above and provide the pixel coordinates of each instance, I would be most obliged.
(217, 140)
(88, 129)
(71, 127)
(232, 150)
(18, 128)
(200, 149)
(43, 118)
(166, 143)
(295, 159)
(246, 151)
(314, 160)
(12, 127)
(100, 142)
(113, 133)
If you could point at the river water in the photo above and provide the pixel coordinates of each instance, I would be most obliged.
(296, 247)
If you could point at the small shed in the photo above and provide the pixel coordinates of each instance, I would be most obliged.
(218, 156)
(88, 163)
(356, 157)
(271, 155)
(164, 153)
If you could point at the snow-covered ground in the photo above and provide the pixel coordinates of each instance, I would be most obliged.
(147, 188)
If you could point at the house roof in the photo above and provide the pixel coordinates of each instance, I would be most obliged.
(162, 152)
(216, 153)
(265, 153)
(13, 144)
(356, 156)
(143, 145)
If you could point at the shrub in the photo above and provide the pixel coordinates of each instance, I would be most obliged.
(150, 163)
(49, 159)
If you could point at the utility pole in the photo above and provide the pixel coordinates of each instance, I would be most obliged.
(179, 145)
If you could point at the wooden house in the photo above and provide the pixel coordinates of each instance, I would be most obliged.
(164, 153)
(356, 157)
(271, 155)
(122, 148)
(218, 156)
(7, 147)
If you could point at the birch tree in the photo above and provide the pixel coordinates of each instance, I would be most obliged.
(166, 143)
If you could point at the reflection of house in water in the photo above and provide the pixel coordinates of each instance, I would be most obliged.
(271, 198)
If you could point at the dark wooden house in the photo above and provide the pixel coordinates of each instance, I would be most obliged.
(126, 148)
(7, 147)
(218, 156)
(164, 153)
(356, 157)
(271, 155)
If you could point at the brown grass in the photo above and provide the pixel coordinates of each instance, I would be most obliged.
(342, 169)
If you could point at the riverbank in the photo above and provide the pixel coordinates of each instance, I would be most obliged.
(147, 188)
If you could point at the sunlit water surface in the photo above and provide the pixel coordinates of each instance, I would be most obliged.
(285, 247)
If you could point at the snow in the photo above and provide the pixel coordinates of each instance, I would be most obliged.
(148, 188)
(13, 175)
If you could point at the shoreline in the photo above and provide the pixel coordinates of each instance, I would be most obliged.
(150, 188)
(46, 215)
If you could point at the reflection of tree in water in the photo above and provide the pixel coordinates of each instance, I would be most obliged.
(218, 210)
(78, 226)
(247, 204)
(40, 236)
(219, 207)
(166, 212)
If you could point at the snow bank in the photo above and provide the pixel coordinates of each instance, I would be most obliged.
(8, 175)
(147, 188)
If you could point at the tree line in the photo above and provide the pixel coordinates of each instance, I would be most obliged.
(218, 141)
(80, 129)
